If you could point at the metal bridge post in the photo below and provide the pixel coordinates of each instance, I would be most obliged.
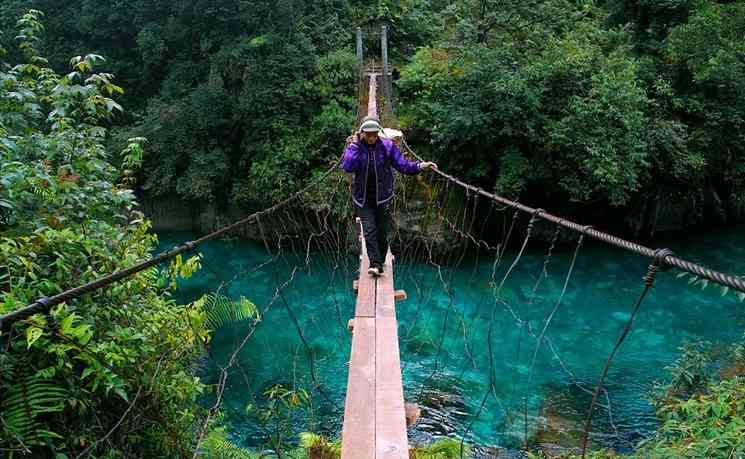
(386, 69)
(359, 46)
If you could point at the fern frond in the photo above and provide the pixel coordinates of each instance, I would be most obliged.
(217, 446)
(694, 280)
(24, 402)
(445, 448)
(224, 449)
(319, 447)
(45, 193)
(221, 310)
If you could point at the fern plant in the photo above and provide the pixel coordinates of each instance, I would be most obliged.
(222, 310)
(444, 448)
(6, 211)
(695, 280)
(24, 403)
(318, 447)
(217, 446)
(45, 194)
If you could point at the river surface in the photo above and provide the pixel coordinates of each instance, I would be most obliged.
(467, 347)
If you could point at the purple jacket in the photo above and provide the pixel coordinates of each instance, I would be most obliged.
(387, 155)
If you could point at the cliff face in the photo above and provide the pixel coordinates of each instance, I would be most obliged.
(171, 213)
(417, 217)
(667, 209)
(414, 219)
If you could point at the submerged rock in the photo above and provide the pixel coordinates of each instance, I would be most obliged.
(621, 316)
(497, 452)
(441, 413)
(559, 430)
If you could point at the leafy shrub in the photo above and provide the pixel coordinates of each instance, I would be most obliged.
(318, 447)
(444, 448)
(705, 425)
(109, 373)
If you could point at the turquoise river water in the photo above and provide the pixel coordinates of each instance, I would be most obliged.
(444, 339)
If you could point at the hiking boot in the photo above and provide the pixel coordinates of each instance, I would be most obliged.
(374, 271)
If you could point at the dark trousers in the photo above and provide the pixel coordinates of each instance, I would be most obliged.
(376, 222)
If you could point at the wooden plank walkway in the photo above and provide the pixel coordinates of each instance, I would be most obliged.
(374, 411)
(372, 98)
(374, 414)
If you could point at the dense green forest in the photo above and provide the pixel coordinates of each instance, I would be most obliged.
(609, 108)
(595, 108)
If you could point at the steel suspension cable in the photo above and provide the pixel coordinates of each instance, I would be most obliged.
(45, 304)
(654, 267)
(728, 280)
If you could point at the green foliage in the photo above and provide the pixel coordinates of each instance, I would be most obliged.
(411, 23)
(708, 425)
(591, 454)
(217, 446)
(276, 417)
(23, 407)
(605, 108)
(444, 448)
(608, 102)
(29, 28)
(690, 374)
(178, 268)
(243, 119)
(119, 357)
(694, 280)
(572, 109)
(710, 46)
(700, 415)
(221, 310)
(318, 447)
(601, 137)
(708, 54)
(133, 154)
(513, 170)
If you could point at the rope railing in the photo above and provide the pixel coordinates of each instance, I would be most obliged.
(669, 259)
(660, 260)
(44, 304)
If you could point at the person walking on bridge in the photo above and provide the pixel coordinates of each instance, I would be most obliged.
(371, 159)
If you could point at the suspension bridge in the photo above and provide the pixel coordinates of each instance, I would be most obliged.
(374, 412)
(374, 419)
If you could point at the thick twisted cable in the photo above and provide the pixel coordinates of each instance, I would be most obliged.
(45, 304)
(728, 280)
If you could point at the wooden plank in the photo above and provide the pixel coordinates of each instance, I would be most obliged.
(365, 287)
(385, 305)
(372, 98)
(390, 415)
(358, 432)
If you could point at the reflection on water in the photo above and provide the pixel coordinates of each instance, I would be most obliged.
(468, 359)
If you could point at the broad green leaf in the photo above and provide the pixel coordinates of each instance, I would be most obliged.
(32, 335)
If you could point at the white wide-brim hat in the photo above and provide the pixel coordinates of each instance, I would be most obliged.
(392, 133)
